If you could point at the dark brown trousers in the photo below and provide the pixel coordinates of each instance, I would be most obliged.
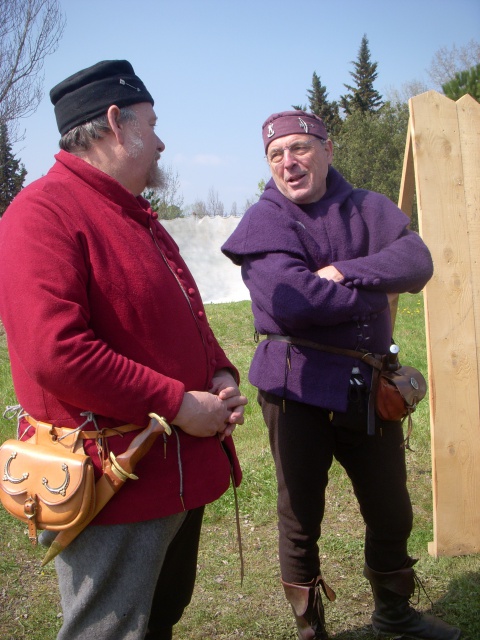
(303, 442)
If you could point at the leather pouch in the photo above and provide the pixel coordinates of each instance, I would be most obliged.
(398, 393)
(47, 481)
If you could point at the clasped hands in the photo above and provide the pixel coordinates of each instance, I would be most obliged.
(217, 411)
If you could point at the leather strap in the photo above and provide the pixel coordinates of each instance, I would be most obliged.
(237, 514)
(30, 510)
(107, 433)
(371, 402)
(371, 359)
(87, 435)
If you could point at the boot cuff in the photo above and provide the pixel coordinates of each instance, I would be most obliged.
(401, 582)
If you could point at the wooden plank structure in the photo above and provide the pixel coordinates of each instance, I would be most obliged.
(442, 166)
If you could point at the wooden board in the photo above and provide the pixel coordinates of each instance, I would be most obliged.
(445, 143)
(468, 111)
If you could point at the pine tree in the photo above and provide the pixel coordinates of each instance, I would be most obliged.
(320, 106)
(12, 173)
(371, 147)
(464, 82)
(362, 97)
(327, 111)
(317, 97)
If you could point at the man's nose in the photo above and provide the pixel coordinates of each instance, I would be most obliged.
(160, 145)
(288, 158)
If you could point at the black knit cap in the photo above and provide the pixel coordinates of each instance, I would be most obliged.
(89, 93)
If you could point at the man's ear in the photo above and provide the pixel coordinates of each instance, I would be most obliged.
(329, 148)
(113, 117)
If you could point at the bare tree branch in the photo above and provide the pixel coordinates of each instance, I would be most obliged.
(30, 30)
(214, 205)
(446, 62)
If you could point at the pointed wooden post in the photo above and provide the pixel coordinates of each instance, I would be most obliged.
(405, 201)
(443, 156)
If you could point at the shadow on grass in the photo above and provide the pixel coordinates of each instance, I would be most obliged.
(364, 632)
(460, 606)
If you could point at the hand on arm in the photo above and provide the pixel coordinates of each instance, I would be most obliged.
(404, 265)
(330, 273)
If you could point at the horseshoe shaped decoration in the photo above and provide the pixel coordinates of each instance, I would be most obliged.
(62, 489)
(6, 472)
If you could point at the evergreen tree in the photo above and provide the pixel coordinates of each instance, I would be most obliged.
(300, 107)
(370, 150)
(320, 106)
(327, 111)
(12, 173)
(362, 97)
(464, 82)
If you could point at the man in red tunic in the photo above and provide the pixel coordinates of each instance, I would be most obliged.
(105, 324)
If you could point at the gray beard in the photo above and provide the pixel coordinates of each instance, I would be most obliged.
(156, 178)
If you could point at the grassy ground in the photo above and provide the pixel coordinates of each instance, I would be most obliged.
(222, 607)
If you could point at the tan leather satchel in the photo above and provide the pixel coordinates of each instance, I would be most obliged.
(47, 481)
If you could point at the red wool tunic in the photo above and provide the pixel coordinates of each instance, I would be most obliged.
(102, 315)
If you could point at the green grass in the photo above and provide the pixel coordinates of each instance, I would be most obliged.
(224, 609)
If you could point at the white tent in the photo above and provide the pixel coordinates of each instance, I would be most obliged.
(200, 239)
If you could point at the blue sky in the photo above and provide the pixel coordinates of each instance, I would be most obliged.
(218, 68)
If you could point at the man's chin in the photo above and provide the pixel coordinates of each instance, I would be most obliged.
(156, 178)
(302, 194)
(296, 194)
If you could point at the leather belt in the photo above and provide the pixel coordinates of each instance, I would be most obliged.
(365, 356)
(371, 359)
(87, 435)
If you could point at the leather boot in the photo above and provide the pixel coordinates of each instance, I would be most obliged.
(393, 614)
(307, 606)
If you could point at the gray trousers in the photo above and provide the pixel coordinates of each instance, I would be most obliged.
(128, 582)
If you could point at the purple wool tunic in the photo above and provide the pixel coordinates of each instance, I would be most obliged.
(279, 246)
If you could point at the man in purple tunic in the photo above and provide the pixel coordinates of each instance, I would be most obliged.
(321, 261)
